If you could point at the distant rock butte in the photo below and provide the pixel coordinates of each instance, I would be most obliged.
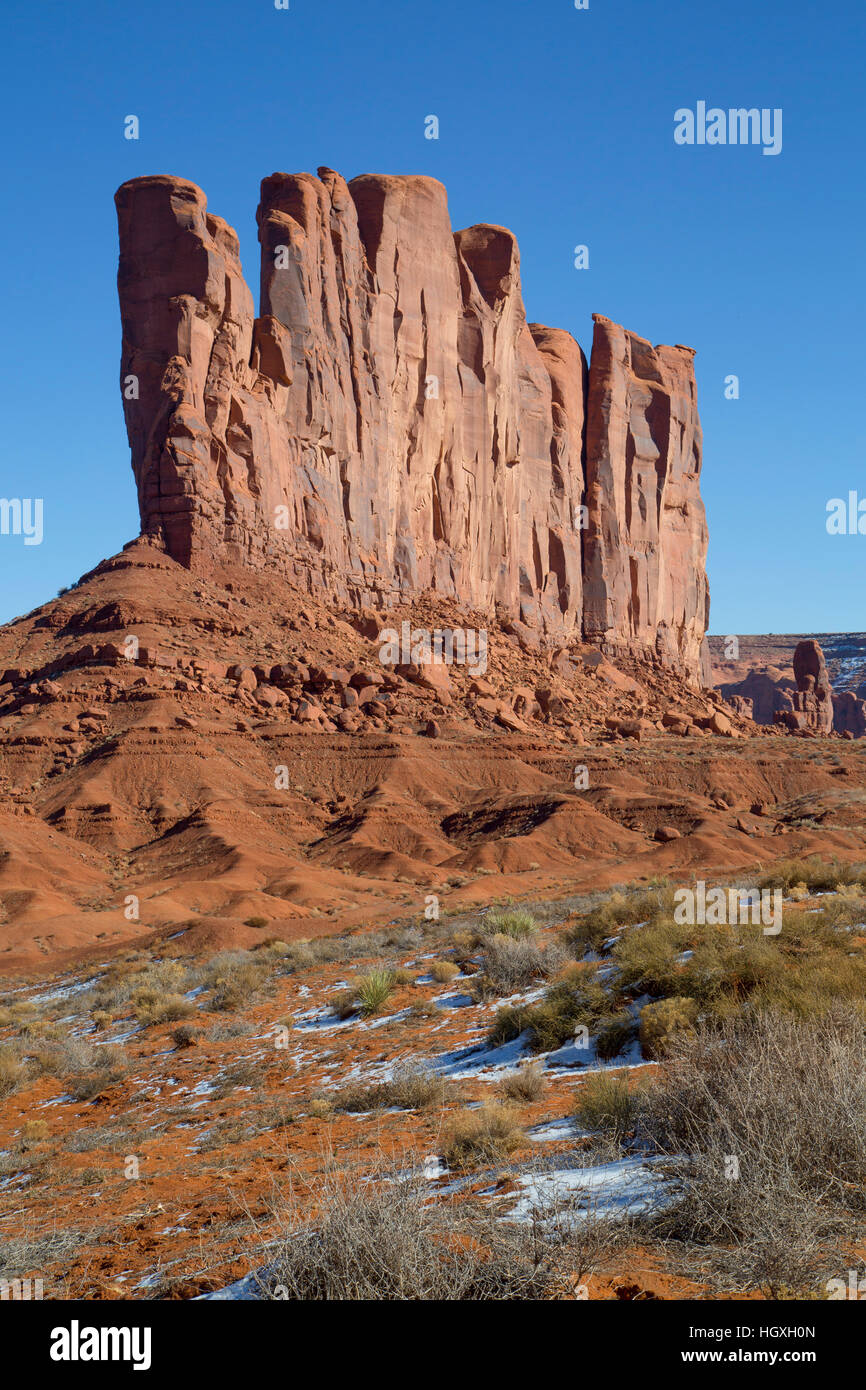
(809, 702)
(812, 703)
(391, 424)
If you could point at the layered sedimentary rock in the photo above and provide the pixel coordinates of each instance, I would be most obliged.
(390, 423)
(812, 702)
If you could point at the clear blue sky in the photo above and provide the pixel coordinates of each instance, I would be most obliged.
(556, 122)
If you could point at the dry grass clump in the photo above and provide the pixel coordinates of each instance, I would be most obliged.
(274, 1115)
(13, 1071)
(464, 941)
(273, 946)
(234, 977)
(86, 1069)
(304, 954)
(402, 977)
(21, 1255)
(615, 1032)
(114, 1138)
(298, 955)
(128, 980)
(511, 963)
(764, 1117)
(17, 1014)
(345, 1003)
(525, 1084)
(246, 1073)
(424, 1008)
(482, 1136)
(150, 1006)
(82, 1066)
(444, 971)
(34, 1131)
(110, 1068)
(855, 892)
(663, 1021)
(410, 1088)
(184, 1036)
(386, 1241)
(232, 1028)
(222, 1135)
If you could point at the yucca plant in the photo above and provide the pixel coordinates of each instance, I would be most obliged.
(373, 989)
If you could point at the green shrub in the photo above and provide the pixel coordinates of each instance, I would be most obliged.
(578, 999)
(813, 872)
(512, 921)
(615, 1032)
(648, 957)
(508, 1024)
(730, 961)
(616, 911)
(607, 1103)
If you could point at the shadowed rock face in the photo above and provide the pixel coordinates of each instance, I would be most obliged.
(767, 695)
(391, 424)
(849, 714)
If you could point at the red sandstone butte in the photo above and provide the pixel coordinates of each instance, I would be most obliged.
(390, 424)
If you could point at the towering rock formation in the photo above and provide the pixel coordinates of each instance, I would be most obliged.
(644, 577)
(391, 424)
(812, 703)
